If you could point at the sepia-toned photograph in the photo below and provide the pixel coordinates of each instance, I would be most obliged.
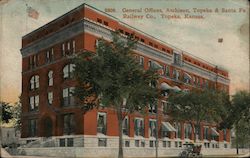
(124, 78)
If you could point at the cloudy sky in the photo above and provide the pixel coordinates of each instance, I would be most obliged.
(199, 37)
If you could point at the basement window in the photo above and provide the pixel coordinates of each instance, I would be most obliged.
(102, 142)
(127, 143)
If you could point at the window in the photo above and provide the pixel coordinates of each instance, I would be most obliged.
(101, 123)
(68, 124)
(33, 61)
(224, 134)
(164, 144)
(207, 145)
(205, 83)
(49, 55)
(150, 43)
(187, 78)
(50, 98)
(165, 107)
(34, 103)
(68, 71)
(176, 74)
(197, 131)
(176, 144)
(151, 143)
(225, 145)
(188, 130)
(102, 142)
(166, 71)
(34, 82)
(106, 23)
(68, 48)
(180, 144)
(99, 20)
(169, 144)
(32, 127)
(152, 108)
(152, 128)
(121, 31)
(137, 143)
(206, 132)
(194, 80)
(70, 142)
(50, 78)
(125, 126)
(141, 60)
(73, 46)
(149, 63)
(139, 127)
(214, 136)
(177, 59)
(163, 49)
(177, 126)
(198, 83)
(63, 49)
(62, 142)
(68, 98)
(127, 143)
(142, 143)
(142, 40)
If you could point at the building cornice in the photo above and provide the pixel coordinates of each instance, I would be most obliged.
(101, 31)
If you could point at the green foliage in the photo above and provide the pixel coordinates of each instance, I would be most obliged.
(112, 76)
(243, 133)
(6, 112)
(16, 111)
(239, 110)
(199, 105)
(11, 113)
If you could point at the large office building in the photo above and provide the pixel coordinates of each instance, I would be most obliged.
(50, 110)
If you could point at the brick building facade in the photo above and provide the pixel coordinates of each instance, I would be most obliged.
(48, 109)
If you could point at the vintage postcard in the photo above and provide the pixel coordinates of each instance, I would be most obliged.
(69, 83)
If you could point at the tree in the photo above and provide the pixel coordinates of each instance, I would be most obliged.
(6, 112)
(239, 110)
(11, 114)
(238, 116)
(113, 77)
(198, 105)
(16, 113)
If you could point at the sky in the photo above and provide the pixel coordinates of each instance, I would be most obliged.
(198, 37)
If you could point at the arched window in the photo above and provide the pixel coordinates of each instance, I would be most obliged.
(68, 71)
(34, 82)
(50, 78)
